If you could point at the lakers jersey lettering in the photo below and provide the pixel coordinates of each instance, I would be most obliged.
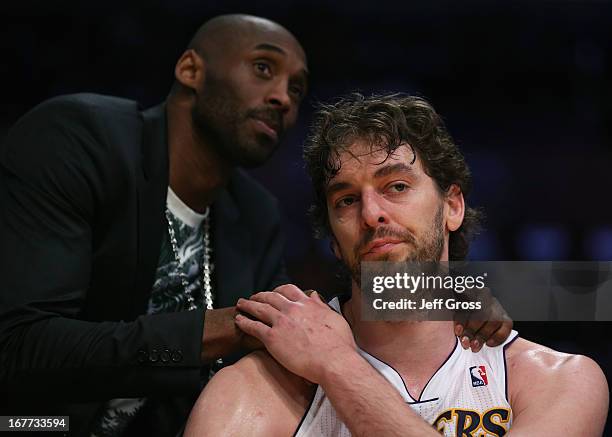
(469, 423)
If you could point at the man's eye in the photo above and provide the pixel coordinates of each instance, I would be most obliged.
(398, 187)
(344, 202)
(263, 69)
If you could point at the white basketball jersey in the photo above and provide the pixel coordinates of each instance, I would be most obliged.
(466, 397)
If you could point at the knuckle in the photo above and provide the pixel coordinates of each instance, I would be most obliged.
(264, 296)
(482, 337)
(485, 333)
(468, 333)
(292, 310)
(501, 335)
(282, 321)
(251, 306)
(471, 326)
(247, 324)
(283, 287)
(269, 336)
(246, 327)
(262, 309)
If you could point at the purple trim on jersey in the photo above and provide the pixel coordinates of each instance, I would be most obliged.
(506, 367)
(398, 374)
(343, 298)
(314, 395)
(422, 402)
(439, 368)
(417, 400)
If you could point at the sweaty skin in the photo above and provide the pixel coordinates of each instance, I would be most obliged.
(317, 344)
(272, 404)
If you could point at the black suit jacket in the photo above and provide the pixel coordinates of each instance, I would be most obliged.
(83, 182)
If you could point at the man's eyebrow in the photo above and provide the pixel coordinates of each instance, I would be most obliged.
(400, 167)
(270, 47)
(337, 186)
(381, 172)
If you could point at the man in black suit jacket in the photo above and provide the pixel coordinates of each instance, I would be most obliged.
(83, 186)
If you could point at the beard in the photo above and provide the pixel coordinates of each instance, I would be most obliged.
(220, 120)
(428, 248)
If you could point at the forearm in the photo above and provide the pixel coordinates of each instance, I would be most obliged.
(221, 336)
(75, 359)
(367, 403)
(311, 340)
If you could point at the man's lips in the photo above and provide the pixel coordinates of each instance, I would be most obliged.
(267, 127)
(382, 245)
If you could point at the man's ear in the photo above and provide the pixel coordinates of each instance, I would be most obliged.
(190, 70)
(455, 207)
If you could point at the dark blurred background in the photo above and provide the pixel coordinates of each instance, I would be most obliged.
(524, 86)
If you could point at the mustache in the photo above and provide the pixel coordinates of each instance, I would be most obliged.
(381, 232)
(271, 116)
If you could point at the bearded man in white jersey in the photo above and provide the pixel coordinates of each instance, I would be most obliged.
(390, 185)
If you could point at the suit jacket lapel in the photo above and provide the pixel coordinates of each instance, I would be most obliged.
(233, 275)
(152, 191)
(231, 253)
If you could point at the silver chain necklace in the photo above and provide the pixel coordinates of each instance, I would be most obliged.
(207, 266)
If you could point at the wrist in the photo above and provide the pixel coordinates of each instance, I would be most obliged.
(220, 334)
(335, 366)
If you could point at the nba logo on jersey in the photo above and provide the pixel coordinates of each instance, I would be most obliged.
(479, 376)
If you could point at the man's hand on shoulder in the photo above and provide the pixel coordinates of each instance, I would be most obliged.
(301, 332)
(490, 326)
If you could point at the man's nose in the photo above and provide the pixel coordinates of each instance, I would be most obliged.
(278, 96)
(373, 212)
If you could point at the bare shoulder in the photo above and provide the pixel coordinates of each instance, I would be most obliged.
(255, 396)
(570, 391)
(262, 372)
(525, 357)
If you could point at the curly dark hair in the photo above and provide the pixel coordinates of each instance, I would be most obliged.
(387, 120)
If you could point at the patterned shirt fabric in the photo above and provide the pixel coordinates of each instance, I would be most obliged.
(167, 295)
